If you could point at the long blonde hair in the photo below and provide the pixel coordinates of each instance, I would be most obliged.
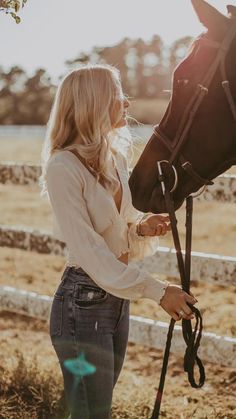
(81, 120)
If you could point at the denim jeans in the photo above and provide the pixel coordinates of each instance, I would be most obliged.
(85, 318)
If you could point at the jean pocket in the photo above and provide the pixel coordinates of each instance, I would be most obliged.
(88, 296)
(56, 315)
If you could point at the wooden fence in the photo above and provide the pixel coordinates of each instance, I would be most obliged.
(213, 268)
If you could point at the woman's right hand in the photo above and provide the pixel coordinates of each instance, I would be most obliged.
(174, 302)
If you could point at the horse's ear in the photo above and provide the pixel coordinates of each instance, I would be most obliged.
(210, 17)
(231, 10)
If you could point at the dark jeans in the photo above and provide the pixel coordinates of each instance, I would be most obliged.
(85, 318)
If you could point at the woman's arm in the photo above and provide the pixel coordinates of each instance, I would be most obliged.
(90, 249)
(93, 254)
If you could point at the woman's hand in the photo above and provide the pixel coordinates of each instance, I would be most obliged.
(174, 302)
(155, 225)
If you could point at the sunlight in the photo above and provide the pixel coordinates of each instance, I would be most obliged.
(70, 30)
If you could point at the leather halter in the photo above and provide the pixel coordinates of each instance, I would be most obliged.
(192, 107)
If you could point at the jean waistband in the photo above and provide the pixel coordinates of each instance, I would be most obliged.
(74, 275)
(76, 269)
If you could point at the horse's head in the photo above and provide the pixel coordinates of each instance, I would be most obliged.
(197, 134)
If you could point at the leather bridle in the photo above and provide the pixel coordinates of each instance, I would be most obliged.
(176, 145)
(192, 337)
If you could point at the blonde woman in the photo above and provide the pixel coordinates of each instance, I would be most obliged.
(85, 175)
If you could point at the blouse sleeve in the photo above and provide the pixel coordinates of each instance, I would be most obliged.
(89, 247)
(140, 246)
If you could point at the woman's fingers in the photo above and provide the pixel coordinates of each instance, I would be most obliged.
(190, 298)
(169, 227)
(158, 230)
(162, 228)
(175, 316)
(175, 302)
(158, 225)
(165, 218)
(186, 309)
(184, 316)
(193, 297)
(185, 312)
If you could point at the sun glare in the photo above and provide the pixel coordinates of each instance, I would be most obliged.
(89, 23)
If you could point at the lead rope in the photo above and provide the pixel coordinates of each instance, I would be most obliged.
(192, 337)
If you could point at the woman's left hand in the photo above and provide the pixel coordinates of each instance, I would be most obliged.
(155, 225)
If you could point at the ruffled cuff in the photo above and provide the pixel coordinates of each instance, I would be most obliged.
(141, 246)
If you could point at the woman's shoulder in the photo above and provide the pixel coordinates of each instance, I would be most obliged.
(61, 156)
(66, 162)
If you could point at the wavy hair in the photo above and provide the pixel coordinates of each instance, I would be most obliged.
(83, 117)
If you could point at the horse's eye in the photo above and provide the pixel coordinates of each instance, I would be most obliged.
(182, 82)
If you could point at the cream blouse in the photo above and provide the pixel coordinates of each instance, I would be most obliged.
(86, 219)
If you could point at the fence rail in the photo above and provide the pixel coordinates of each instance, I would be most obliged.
(217, 269)
(147, 332)
(223, 190)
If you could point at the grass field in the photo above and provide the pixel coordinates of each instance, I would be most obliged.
(31, 384)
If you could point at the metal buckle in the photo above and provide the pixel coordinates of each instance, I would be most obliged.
(161, 177)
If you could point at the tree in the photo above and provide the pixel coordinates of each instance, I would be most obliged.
(12, 7)
(146, 68)
(37, 98)
(140, 64)
(23, 99)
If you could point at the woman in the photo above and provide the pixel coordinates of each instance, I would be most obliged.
(85, 175)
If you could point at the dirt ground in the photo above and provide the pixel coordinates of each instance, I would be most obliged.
(214, 231)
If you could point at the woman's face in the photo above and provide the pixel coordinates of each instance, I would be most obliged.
(120, 107)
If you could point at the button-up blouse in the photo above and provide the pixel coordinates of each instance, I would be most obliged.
(96, 234)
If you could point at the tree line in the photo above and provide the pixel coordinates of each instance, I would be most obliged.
(146, 70)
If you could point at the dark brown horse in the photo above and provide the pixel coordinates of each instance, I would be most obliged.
(197, 134)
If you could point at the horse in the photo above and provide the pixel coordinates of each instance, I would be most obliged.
(196, 138)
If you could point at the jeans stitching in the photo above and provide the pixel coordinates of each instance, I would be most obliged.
(57, 331)
(120, 316)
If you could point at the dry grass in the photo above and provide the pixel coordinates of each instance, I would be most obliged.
(27, 391)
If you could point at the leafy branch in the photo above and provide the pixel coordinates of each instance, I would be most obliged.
(12, 7)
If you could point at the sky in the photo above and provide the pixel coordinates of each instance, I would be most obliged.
(53, 31)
